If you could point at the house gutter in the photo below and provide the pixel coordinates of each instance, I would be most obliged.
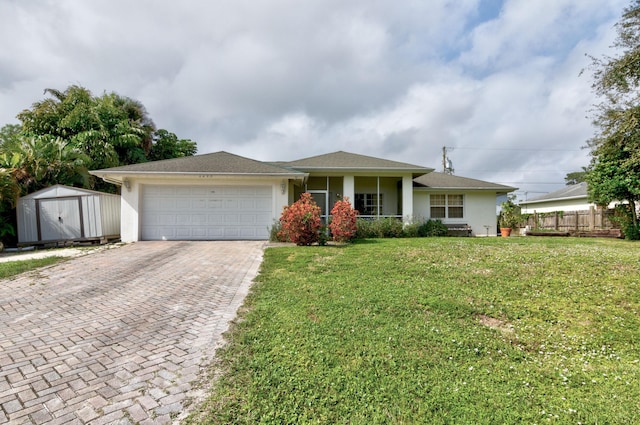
(117, 178)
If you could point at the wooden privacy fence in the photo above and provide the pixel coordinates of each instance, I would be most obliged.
(589, 220)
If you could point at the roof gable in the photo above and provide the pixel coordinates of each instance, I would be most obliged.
(341, 160)
(436, 180)
(61, 191)
(211, 163)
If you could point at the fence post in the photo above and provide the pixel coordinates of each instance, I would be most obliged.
(592, 218)
(555, 220)
(577, 220)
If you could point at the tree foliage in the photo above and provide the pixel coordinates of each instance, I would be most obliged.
(614, 171)
(111, 129)
(576, 177)
(9, 137)
(166, 145)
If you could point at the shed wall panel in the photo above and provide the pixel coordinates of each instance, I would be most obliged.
(27, 224)
(110, 215)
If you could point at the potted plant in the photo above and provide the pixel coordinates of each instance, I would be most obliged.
(510, 216)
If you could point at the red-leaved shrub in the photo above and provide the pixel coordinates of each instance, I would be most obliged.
(343, 224)
(301, 221)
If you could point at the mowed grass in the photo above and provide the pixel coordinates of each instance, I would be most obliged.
(12, 268)
(436, 331)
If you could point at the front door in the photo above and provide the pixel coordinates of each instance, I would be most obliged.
(321, 197)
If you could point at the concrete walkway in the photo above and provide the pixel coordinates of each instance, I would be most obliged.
(121, 336)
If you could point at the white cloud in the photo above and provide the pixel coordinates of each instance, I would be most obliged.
(286, 79)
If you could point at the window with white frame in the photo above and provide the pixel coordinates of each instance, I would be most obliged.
(368, 203)
(447, 206)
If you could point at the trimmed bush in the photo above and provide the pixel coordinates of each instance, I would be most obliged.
(301, 222)
(276, 234)
(343, 224)
(387, 227)
(432, 228)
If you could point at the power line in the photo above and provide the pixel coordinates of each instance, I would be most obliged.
(512, 171)
(514, 149)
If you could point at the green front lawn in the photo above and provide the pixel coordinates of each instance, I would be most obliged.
(436, 331)
(12, 268)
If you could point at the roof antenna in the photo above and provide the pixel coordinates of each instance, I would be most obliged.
(447, 165)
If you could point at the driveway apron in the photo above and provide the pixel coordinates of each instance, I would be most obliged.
(119, 336)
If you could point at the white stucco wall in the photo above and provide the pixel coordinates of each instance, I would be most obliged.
(131, 198)
(580, 204)
(479, 210)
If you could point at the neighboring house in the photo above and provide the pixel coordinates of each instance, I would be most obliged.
(570, 198)
(225, 196)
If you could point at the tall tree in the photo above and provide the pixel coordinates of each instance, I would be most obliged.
(166, 145)
(111, 129)
(39, 162)
(576, 177)
(614, 171)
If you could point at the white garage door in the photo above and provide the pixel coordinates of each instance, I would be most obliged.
(206, 212)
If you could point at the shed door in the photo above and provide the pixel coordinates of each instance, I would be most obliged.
(59, 219)
(206, 212)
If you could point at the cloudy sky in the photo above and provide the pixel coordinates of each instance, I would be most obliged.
(495, 81)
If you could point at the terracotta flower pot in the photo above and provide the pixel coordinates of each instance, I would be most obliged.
(505, 232)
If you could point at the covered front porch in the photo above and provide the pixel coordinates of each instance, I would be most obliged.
(373, 196)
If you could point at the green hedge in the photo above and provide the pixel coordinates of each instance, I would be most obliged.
(389, 227)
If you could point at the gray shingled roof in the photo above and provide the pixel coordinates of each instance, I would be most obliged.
(350, 161)
(447, 181)
(570, 192)
(211, 163)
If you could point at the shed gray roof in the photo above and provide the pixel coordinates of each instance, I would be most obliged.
(570, 192)
(211, 163)
(350, 161)
(60, 190)
(438, 180)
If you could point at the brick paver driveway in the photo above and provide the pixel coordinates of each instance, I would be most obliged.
(119, 336)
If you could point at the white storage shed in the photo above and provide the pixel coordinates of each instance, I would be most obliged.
(64, 214)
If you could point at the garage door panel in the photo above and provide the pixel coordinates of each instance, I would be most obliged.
(160, 190)
(231, 219)
(215, 233)
(156, 233)
(197, 191)
(263, 204)
(199, 204)
(183, 204)
(206, 212)
(183, 219)
(165, 219)
(199, 233)
(199, 218)
(215, 219)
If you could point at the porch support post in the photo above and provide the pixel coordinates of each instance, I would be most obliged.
(407, 199)
(349, 188)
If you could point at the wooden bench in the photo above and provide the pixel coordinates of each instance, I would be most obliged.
(457, 229)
